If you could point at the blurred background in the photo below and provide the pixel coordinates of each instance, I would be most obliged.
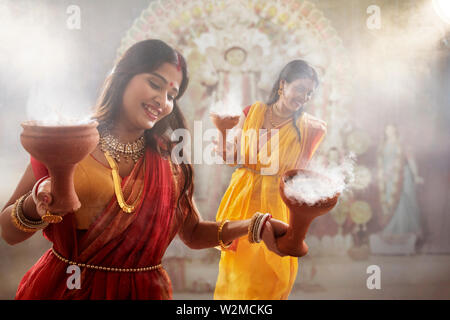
(384, 69)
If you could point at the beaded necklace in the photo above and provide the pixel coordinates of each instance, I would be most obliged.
(133, 150)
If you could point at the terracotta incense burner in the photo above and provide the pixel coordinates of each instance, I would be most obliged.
(224, 123)
(301, 216)
(60, 148)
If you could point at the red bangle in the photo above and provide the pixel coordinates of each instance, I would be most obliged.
(264, 225)
(36, 186)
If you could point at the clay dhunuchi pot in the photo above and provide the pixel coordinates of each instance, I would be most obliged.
(224, 123)
(301, 216)
(60, 148)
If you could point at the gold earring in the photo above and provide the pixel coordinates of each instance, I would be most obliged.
(280, 91)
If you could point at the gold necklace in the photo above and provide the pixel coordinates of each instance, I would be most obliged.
(117, 188)
(271, 117)
(133, 150)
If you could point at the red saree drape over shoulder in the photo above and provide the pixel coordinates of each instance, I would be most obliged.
(114, 239)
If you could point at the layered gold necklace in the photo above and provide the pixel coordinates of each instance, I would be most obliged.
(128, 208)
(134, 150)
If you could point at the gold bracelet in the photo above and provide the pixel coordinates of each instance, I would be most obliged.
(219, 236)
(251, 227)
(15, 219)
(33, 224)
(256, 227)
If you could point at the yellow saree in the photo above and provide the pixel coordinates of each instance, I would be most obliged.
(252, 271)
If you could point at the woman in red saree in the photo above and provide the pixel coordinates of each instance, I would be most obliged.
(119, 252)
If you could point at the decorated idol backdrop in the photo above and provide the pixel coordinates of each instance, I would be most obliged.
(383, 68)
(235, 50)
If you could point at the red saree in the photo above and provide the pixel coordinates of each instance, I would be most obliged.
(114, 239)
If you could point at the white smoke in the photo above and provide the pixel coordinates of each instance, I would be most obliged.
(60, 121)
(228, 108)
(32, 48)
(310, 190)
(50, 103)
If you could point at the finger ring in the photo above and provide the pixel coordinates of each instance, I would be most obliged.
(51, 218)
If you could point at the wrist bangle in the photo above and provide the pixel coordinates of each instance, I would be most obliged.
(264, 225)
(261, 225)
(256, 227)
(20, 221)
(37, 224)
(36, 186)
(251, 227)
(219, 236)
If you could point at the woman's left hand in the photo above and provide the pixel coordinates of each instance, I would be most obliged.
(272, 230)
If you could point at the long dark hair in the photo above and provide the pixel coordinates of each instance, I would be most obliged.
(296, 69)
(145, 57)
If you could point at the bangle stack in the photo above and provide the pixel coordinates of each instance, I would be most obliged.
(36, 186)
(256, 226)
(23, 223)
(219, 236)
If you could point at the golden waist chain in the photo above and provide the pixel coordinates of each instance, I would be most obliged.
(112, 269)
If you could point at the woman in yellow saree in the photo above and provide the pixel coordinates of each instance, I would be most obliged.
(249, 270)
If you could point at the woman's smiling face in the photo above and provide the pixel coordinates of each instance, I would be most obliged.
(297, 93)
(149, 97)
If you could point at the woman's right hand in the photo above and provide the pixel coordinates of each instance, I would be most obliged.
(229, 152)
(274, 229)
(279, 227)
(43, 197)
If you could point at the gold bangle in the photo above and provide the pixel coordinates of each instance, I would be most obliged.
(219, 236)
(251, 227)
(51, 218)
(16, 221)
(33, 224)
(256, 228)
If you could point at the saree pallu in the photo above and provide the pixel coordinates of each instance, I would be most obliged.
(114, 239)
(252, 271)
